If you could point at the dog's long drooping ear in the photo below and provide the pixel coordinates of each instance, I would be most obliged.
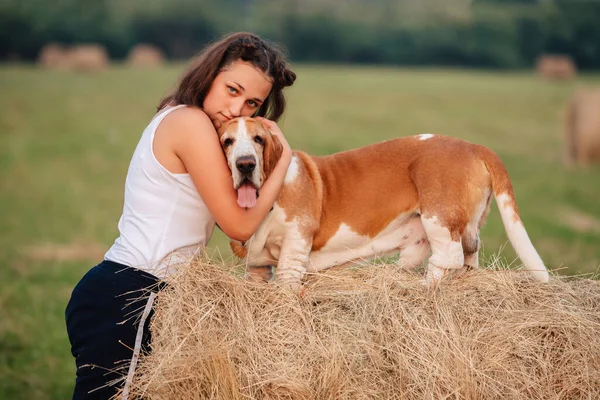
(271, 154)
(238, 248)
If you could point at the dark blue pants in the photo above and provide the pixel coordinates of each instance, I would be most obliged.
(102, 318)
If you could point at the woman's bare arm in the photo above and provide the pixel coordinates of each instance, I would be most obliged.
(193, 139)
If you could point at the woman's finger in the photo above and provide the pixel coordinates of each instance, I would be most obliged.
(275, 131)
(266, 122)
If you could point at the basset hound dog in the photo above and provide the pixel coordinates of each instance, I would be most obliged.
(424, 196)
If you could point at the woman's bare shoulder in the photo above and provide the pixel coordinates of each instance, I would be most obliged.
(186, 129)
(187, 115)
(186, 121)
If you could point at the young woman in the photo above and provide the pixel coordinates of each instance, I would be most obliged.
(177, 187)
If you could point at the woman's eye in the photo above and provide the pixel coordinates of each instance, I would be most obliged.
(259, 140)
(227, 142)
(232, 89)
(252, 103)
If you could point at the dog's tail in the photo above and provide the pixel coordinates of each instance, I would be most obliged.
(505, 199)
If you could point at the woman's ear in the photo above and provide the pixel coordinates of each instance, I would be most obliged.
(271, 154)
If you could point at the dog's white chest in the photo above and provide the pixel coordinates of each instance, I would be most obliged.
(265, 245)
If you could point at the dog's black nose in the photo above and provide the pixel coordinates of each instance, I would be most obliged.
(245, 164)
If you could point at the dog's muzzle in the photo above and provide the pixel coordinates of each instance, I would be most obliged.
(247, 189)
(246, 165)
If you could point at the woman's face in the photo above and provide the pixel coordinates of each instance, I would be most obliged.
(237, 91)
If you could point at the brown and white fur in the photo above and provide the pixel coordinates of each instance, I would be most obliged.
(423, 196)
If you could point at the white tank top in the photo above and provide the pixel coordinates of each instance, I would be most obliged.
(164, 221)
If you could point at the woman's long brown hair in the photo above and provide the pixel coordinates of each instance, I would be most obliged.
(248, 47)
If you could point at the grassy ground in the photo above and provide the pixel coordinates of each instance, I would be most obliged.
(66, 140)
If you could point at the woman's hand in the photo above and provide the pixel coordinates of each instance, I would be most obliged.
(275, 131)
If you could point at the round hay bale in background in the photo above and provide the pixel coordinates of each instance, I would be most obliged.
(582, 128)
(556, 67)
(53, 56)
(145, 56)
(88, 58)
(373, 333)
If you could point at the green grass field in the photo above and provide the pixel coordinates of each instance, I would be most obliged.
(66, 140)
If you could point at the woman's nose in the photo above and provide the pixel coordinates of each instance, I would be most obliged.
(236, 107)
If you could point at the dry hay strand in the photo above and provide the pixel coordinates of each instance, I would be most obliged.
(582, 128)
(373, 333)
(88, 58)
(53, 56)
(556, 67)
(145, 56)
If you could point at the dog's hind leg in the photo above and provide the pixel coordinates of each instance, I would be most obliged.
(470, 238)
(471, 245)
(446, 247)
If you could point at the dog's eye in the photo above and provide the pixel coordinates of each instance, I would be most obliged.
(259, 140)
(227, 142)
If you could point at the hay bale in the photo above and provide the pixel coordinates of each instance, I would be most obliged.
(53, 56)
(556, 67)
(375, 333)
(88, 58)
(145, 56)
(582, 128)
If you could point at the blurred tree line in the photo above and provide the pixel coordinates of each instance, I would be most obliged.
(479, 33)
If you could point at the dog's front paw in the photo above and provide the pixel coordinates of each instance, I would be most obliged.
(435, 274)
(289, 284)
(260, 274)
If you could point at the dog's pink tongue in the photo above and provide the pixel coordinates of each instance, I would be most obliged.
(246, 195)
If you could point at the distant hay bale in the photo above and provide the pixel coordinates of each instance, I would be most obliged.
(556, 67)
(53, 56)
(145, 56)
(88, 58)
(373, 333)
(582, 128)
(75, 251)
